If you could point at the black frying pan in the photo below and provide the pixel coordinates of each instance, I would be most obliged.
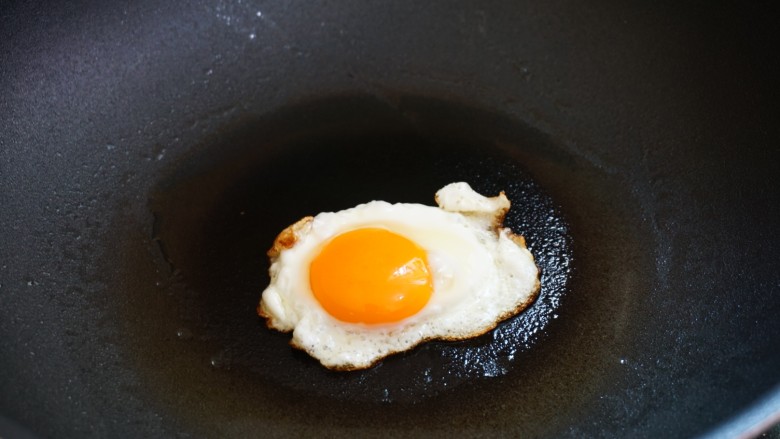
(151, 152)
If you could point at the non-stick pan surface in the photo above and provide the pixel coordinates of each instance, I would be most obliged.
(151, 152)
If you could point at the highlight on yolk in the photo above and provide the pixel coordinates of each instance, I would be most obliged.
(371, 275)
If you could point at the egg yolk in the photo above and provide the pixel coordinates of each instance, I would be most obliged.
(371, 275)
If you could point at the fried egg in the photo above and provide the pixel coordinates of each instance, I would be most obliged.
(360, 284)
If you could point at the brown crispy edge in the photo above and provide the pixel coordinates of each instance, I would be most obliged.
(286, 239)
(498, 219)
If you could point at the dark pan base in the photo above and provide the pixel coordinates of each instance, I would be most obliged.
(132, 138)
(214, 215)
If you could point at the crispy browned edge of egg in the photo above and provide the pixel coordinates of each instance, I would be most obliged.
(289, 236)
(286, 239)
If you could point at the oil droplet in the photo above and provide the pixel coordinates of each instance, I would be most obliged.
(184, 333)
(494, 370)
(220, 361)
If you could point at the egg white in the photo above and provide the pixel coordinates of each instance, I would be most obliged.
(482, 274)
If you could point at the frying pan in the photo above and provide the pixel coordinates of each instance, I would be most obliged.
(152, 150)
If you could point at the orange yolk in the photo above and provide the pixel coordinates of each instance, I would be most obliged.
(371, 276)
